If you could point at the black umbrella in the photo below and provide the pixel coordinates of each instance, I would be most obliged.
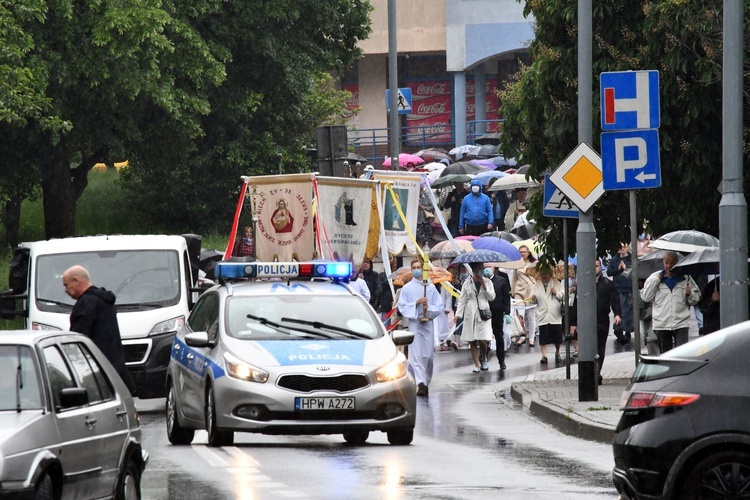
(493, 138)
(525, 231)
(433, 155)
(462, 167)
(649, 264)
(483, 151)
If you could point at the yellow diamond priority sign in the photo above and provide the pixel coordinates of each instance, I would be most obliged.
(579, 177)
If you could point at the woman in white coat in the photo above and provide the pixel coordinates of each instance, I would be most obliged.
(476, 293)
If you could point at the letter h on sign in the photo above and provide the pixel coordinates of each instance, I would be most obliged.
(630, 100)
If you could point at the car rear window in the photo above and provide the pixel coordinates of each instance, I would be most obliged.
(680, 360)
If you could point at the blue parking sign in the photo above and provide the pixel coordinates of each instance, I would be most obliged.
(630, 159)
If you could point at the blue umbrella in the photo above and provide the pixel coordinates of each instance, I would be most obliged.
(480, 256)
(497, 245)
(487, 176)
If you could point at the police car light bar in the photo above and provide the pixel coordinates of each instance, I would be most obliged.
(238, 270)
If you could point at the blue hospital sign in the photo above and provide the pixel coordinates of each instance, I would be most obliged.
(630, 159)
(630, 100)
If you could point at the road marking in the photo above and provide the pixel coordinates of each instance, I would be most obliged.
(210, 456)
(242, 456)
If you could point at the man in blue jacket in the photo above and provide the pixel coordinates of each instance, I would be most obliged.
(476, 212)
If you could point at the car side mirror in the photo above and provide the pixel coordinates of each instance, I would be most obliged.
(73, 397)
(199, 339)
(402, 337)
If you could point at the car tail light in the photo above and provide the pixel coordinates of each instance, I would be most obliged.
(636, 400)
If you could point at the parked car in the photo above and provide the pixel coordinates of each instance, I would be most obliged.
(272, 350)
(68, 426)
(684, 431)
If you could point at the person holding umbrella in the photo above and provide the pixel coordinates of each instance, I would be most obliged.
(420, 303)
(476, 215)
(476, 293)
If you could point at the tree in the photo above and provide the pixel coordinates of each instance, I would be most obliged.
(677, 37)
(277, 90)
(105, 67)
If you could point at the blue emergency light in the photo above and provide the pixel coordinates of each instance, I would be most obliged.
(340, 271)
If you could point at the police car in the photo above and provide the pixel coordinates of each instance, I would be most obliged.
(287, 348)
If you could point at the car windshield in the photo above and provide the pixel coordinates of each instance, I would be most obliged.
(19, 380)
(138, 278)
(337, 315)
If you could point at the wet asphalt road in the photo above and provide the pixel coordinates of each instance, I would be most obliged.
(471, 442)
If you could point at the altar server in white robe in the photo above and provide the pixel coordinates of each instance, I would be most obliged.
(415, 303)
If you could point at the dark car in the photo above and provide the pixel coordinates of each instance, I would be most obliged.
(685, 428)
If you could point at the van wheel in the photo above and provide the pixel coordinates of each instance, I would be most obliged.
(175, 432)
(43, 489)
(356, 438)
(401, 437)
(129, 483)
(216, 437)
(725, 474)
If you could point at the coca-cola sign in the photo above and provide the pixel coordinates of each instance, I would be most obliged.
(432, 88)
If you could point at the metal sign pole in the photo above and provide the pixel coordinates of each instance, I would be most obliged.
(634, 277)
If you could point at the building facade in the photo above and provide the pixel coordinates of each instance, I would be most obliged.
(446, 50)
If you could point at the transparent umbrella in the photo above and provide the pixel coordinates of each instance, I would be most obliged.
(687, 240)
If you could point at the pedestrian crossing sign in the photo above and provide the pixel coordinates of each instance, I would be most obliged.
(556, 203)
(403, 101)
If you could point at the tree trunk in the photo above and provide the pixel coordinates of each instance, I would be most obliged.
(12, 220)
(61, 188)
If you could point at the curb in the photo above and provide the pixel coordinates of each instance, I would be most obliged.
(564, 419)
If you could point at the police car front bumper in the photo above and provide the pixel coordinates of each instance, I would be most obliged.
(271, 409)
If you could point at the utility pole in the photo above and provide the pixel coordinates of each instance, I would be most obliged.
(393, 83)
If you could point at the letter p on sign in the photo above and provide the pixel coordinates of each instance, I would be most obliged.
(631, 154)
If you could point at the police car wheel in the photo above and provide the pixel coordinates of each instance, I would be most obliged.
(356, 438)
(175, 432)
(401, 436)
(216, 437)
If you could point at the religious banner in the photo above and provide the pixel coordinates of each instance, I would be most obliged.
(344, 213)
(405, 204)
(283, 207)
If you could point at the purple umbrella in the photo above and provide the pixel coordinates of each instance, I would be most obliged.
(497, 245)
(484, 163)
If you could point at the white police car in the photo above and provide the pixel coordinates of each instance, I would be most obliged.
(273, 349)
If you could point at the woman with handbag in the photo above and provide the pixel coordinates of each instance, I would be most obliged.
(474, 308)
(523, 282)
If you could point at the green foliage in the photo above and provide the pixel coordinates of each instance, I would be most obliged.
(681, 39)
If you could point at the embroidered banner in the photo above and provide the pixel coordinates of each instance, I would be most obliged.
(406, 188)
(344, 209)
(283, 205)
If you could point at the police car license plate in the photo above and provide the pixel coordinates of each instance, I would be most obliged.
(303, 404)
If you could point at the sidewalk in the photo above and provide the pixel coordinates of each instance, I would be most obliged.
(554, 399)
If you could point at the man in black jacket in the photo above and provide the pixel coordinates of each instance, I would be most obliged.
(606, 299)
(95, 316)
(500, 306)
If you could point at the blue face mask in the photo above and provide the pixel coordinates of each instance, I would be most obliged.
(488, 272)
(464, 276)
(417, 273)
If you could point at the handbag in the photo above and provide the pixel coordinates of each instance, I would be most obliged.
(485, 314)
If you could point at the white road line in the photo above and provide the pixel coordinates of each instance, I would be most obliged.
(210, 456)
(243, 457)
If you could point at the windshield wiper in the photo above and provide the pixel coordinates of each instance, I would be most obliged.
(326, 326)
(283, 328)
(139, 305)
(57, 303)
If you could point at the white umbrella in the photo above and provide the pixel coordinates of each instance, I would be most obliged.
(514, 181)
(688, 240)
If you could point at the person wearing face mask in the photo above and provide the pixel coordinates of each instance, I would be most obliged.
(500, 306)
(244, 246)
(476, 216)
(417, 302)
(476, 293)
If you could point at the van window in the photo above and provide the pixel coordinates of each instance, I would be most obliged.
(140, 279)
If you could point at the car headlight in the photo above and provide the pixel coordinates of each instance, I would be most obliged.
(42, 326)
(243, 371)
(394, 370)
(170, 325)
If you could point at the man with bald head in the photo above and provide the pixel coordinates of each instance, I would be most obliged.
(95, 316)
